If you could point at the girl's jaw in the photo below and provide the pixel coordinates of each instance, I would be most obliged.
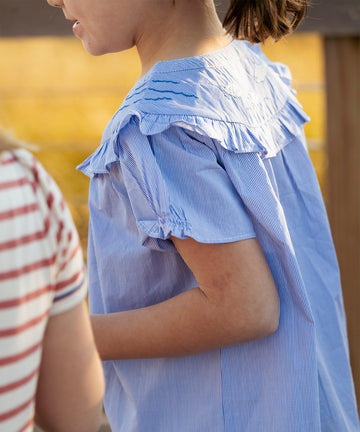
(160, 30)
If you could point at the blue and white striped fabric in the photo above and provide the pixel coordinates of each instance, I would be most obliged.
(212, 147)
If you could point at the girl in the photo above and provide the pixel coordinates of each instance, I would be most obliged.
(214, 287)
(47, 351)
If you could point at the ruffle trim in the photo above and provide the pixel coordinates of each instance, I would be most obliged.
(155, 232)
(256, 111)
(267, 138)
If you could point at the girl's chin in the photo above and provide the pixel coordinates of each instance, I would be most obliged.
(89, 46)
(77, 29)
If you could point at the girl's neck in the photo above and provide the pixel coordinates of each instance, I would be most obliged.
(189, 28)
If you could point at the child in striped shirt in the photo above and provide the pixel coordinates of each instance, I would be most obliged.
(48, 361)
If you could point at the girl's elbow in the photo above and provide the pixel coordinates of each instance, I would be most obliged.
(267, 321)
(259, 324)
(269, 327)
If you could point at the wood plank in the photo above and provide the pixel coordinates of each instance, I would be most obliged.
(333, 17)
(36, 18)
(343, 141)
(31, 18)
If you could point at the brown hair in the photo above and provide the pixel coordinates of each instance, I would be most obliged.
(256, 20)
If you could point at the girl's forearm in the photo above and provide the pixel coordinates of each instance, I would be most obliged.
(187, 324)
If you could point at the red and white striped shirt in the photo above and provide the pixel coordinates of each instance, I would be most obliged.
(41, 274)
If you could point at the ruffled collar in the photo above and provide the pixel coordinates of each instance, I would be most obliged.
(233, 95)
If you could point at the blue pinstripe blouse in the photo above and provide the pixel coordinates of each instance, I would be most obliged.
(212, 147)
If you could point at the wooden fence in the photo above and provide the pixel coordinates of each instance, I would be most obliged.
(339, 22)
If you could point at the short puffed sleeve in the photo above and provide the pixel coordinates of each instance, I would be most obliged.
(177, 186)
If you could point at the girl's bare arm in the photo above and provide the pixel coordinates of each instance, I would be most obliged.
(236, 302)
(71, 383)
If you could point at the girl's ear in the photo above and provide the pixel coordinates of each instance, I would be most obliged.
(255, 20)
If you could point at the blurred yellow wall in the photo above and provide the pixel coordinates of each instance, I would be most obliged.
(56, 95)
(304, 55)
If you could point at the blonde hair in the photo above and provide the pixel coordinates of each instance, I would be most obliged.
(9, 142)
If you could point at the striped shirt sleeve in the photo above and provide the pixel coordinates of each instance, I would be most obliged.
(69, 283)
(41, 274)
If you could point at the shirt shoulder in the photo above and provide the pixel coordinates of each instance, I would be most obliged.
(38, 236)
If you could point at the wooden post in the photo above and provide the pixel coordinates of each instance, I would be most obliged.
(343, 142)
